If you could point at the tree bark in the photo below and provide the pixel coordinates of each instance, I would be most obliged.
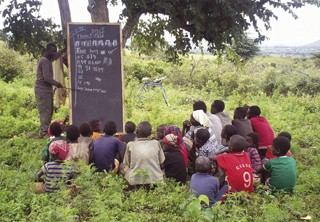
(129, 26)
(65, 15)
(98, 10)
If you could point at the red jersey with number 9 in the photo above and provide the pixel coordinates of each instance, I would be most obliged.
(237, 167)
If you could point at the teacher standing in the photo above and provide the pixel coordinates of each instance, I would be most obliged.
(43, 86)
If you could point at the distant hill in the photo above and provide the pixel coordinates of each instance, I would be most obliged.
(290, 51)
(314, 44)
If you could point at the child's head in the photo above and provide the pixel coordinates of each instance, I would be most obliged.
(237, 144)
(217, 106)
(55, 129)
(130, 127)
(239, 113)
(201, 137)
(58, 149)
(193, 121)
(72, 133)
(144, 130)
(85, 130)
(280, 146)
(252, 140)
(253, 111)
(95, 125)
(286, 135)
(200, 105)
(110, 128)
(170, 142)
(203, 164)
(160, 131)
(228, 131)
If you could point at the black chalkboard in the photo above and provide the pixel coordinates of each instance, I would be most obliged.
(95, 73)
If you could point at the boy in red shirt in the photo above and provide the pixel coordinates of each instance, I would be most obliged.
(260, 126)
(236, 166)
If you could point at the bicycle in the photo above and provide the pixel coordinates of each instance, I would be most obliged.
(146, 86)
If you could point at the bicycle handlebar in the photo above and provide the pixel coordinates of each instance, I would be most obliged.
(155, 81)
(159, 79)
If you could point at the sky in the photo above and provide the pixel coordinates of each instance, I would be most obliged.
(285, 31)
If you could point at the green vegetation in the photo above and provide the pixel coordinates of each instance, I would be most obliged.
(287, 90)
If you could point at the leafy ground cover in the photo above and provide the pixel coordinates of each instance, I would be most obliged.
(285, 89)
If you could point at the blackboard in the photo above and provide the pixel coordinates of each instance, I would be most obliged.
(95, 73)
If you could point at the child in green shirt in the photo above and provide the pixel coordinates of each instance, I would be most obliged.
(282, 169)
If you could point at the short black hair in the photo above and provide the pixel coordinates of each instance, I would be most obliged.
(203, 164)
(130, 127)
(202, 135)
(72, 133)
(254, 111)
(237, 143)
(50, 45)
(200, 105)
(285, 134)
(218, 104)
(229, 131)
(55, 129)
(85, 130)
(255, 138)
(110, 128)
(94, 123)
(144, 129)
(282, 144)
(240, 112)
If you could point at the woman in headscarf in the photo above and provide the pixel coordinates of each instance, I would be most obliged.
(174, 165)
(169, 129)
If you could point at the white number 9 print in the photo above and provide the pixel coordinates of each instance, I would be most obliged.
(247, 179)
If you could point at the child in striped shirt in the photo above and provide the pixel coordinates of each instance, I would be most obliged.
(57, 172)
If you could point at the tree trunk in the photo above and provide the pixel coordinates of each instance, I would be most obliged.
(129, 26)
(98, 10)
(65, 15)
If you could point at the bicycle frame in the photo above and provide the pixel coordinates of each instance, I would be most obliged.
(146, 86)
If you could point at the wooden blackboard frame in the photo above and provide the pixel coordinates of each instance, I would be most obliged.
(72, 87)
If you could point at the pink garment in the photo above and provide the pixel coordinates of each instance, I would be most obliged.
(60, 147)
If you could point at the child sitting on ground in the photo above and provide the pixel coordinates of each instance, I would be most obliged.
(174, 165)
(95, 128)
(56, 172)
(203, 144)
(129, 128)
(252, 140)
(235, 166)
(55, 130)
(143, 158)
(85, 143)
(242, 125)
(76, 152)
(227, 132)
(269, 154)
(202, 183)
(282, 169)
(262, 127)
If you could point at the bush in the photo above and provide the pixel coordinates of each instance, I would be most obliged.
(11, 63)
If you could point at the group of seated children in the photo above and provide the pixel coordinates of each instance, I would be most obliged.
(219, 154)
